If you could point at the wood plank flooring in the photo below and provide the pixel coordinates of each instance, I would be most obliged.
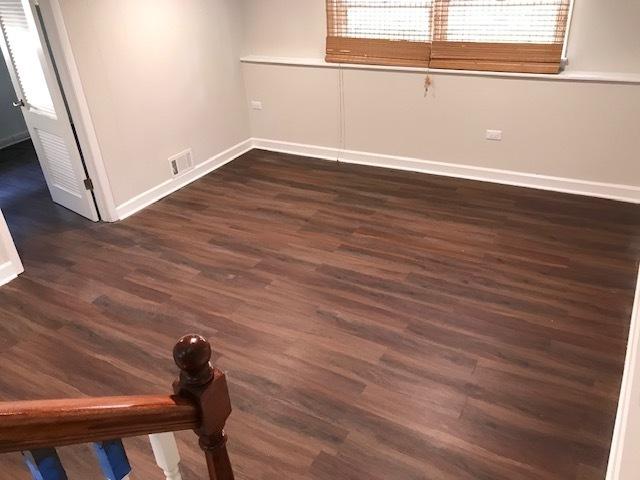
(374, 324)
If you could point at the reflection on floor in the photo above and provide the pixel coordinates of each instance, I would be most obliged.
(374, 324)
(25, 200)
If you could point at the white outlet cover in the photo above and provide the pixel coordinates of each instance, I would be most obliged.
(256, 105)
(494, 135)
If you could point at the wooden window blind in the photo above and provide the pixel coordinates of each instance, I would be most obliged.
(385, 32)
(498, 35)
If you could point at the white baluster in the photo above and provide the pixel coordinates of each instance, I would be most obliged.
(167, 456)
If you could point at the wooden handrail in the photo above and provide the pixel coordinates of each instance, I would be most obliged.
(44, 423)
(200, 402)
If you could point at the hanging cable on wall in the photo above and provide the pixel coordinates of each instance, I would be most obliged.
(341, 113)
(427, 84)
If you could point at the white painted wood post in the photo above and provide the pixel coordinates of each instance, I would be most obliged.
(167, 456)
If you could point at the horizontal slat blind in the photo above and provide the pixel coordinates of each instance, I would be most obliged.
(497, 57)
(502, 35)
(23, 51)
(501, 21)
(499, 35)
(387, 32)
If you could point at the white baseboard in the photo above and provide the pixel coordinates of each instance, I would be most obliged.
(156, 193)
(622, 454)
(13, 139)
(9, 271)
(325, 153)
(624, 193)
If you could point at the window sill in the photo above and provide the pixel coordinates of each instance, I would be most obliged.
(589, 77)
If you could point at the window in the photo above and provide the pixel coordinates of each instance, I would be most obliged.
(499, 35)
(400, 20)
(387, 32)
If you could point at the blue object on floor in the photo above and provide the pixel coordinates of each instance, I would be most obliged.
(113, 459)
(44, 464)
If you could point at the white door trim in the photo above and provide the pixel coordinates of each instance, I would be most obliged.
(72, 87)
(10, 264)
(624, 453)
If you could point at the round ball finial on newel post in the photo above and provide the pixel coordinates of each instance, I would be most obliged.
(192, 354)
(207, 386)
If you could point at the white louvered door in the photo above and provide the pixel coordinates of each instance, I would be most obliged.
(45, 113)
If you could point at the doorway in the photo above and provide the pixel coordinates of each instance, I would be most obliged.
(25, 199)
(44, 181)
(39, 96)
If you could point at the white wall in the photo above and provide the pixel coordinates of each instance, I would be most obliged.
(582, 131)
(160, 76)
(12, 126)
(604, 36)
(10, 264)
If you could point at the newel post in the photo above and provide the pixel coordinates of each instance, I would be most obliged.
(206, 385)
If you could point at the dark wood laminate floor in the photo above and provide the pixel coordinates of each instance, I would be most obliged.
(374, 324)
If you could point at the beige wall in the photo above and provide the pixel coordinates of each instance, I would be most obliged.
(288, 28)
(604, 36)
(160, 76)
(12, 124)
(566, 129)
(299, 104)
(560, 129)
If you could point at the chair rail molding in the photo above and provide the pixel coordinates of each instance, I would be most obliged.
(566, 76)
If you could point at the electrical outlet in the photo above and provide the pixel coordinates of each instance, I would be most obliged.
(256, 105)
(494, 135)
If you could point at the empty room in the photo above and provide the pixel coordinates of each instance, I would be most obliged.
(319, 239)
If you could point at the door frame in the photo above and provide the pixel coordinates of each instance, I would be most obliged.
(71, 86)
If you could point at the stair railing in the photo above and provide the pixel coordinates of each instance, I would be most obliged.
(200, 402)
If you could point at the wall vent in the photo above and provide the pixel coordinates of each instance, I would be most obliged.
(181, 162)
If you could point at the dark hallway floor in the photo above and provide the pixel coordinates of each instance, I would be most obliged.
(25, 200)
(374, 324)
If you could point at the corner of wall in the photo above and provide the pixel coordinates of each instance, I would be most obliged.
(9, 271)
(10, 264)
(139, 202)
(625, 444)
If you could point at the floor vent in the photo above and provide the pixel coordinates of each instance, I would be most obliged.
(181, 162)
